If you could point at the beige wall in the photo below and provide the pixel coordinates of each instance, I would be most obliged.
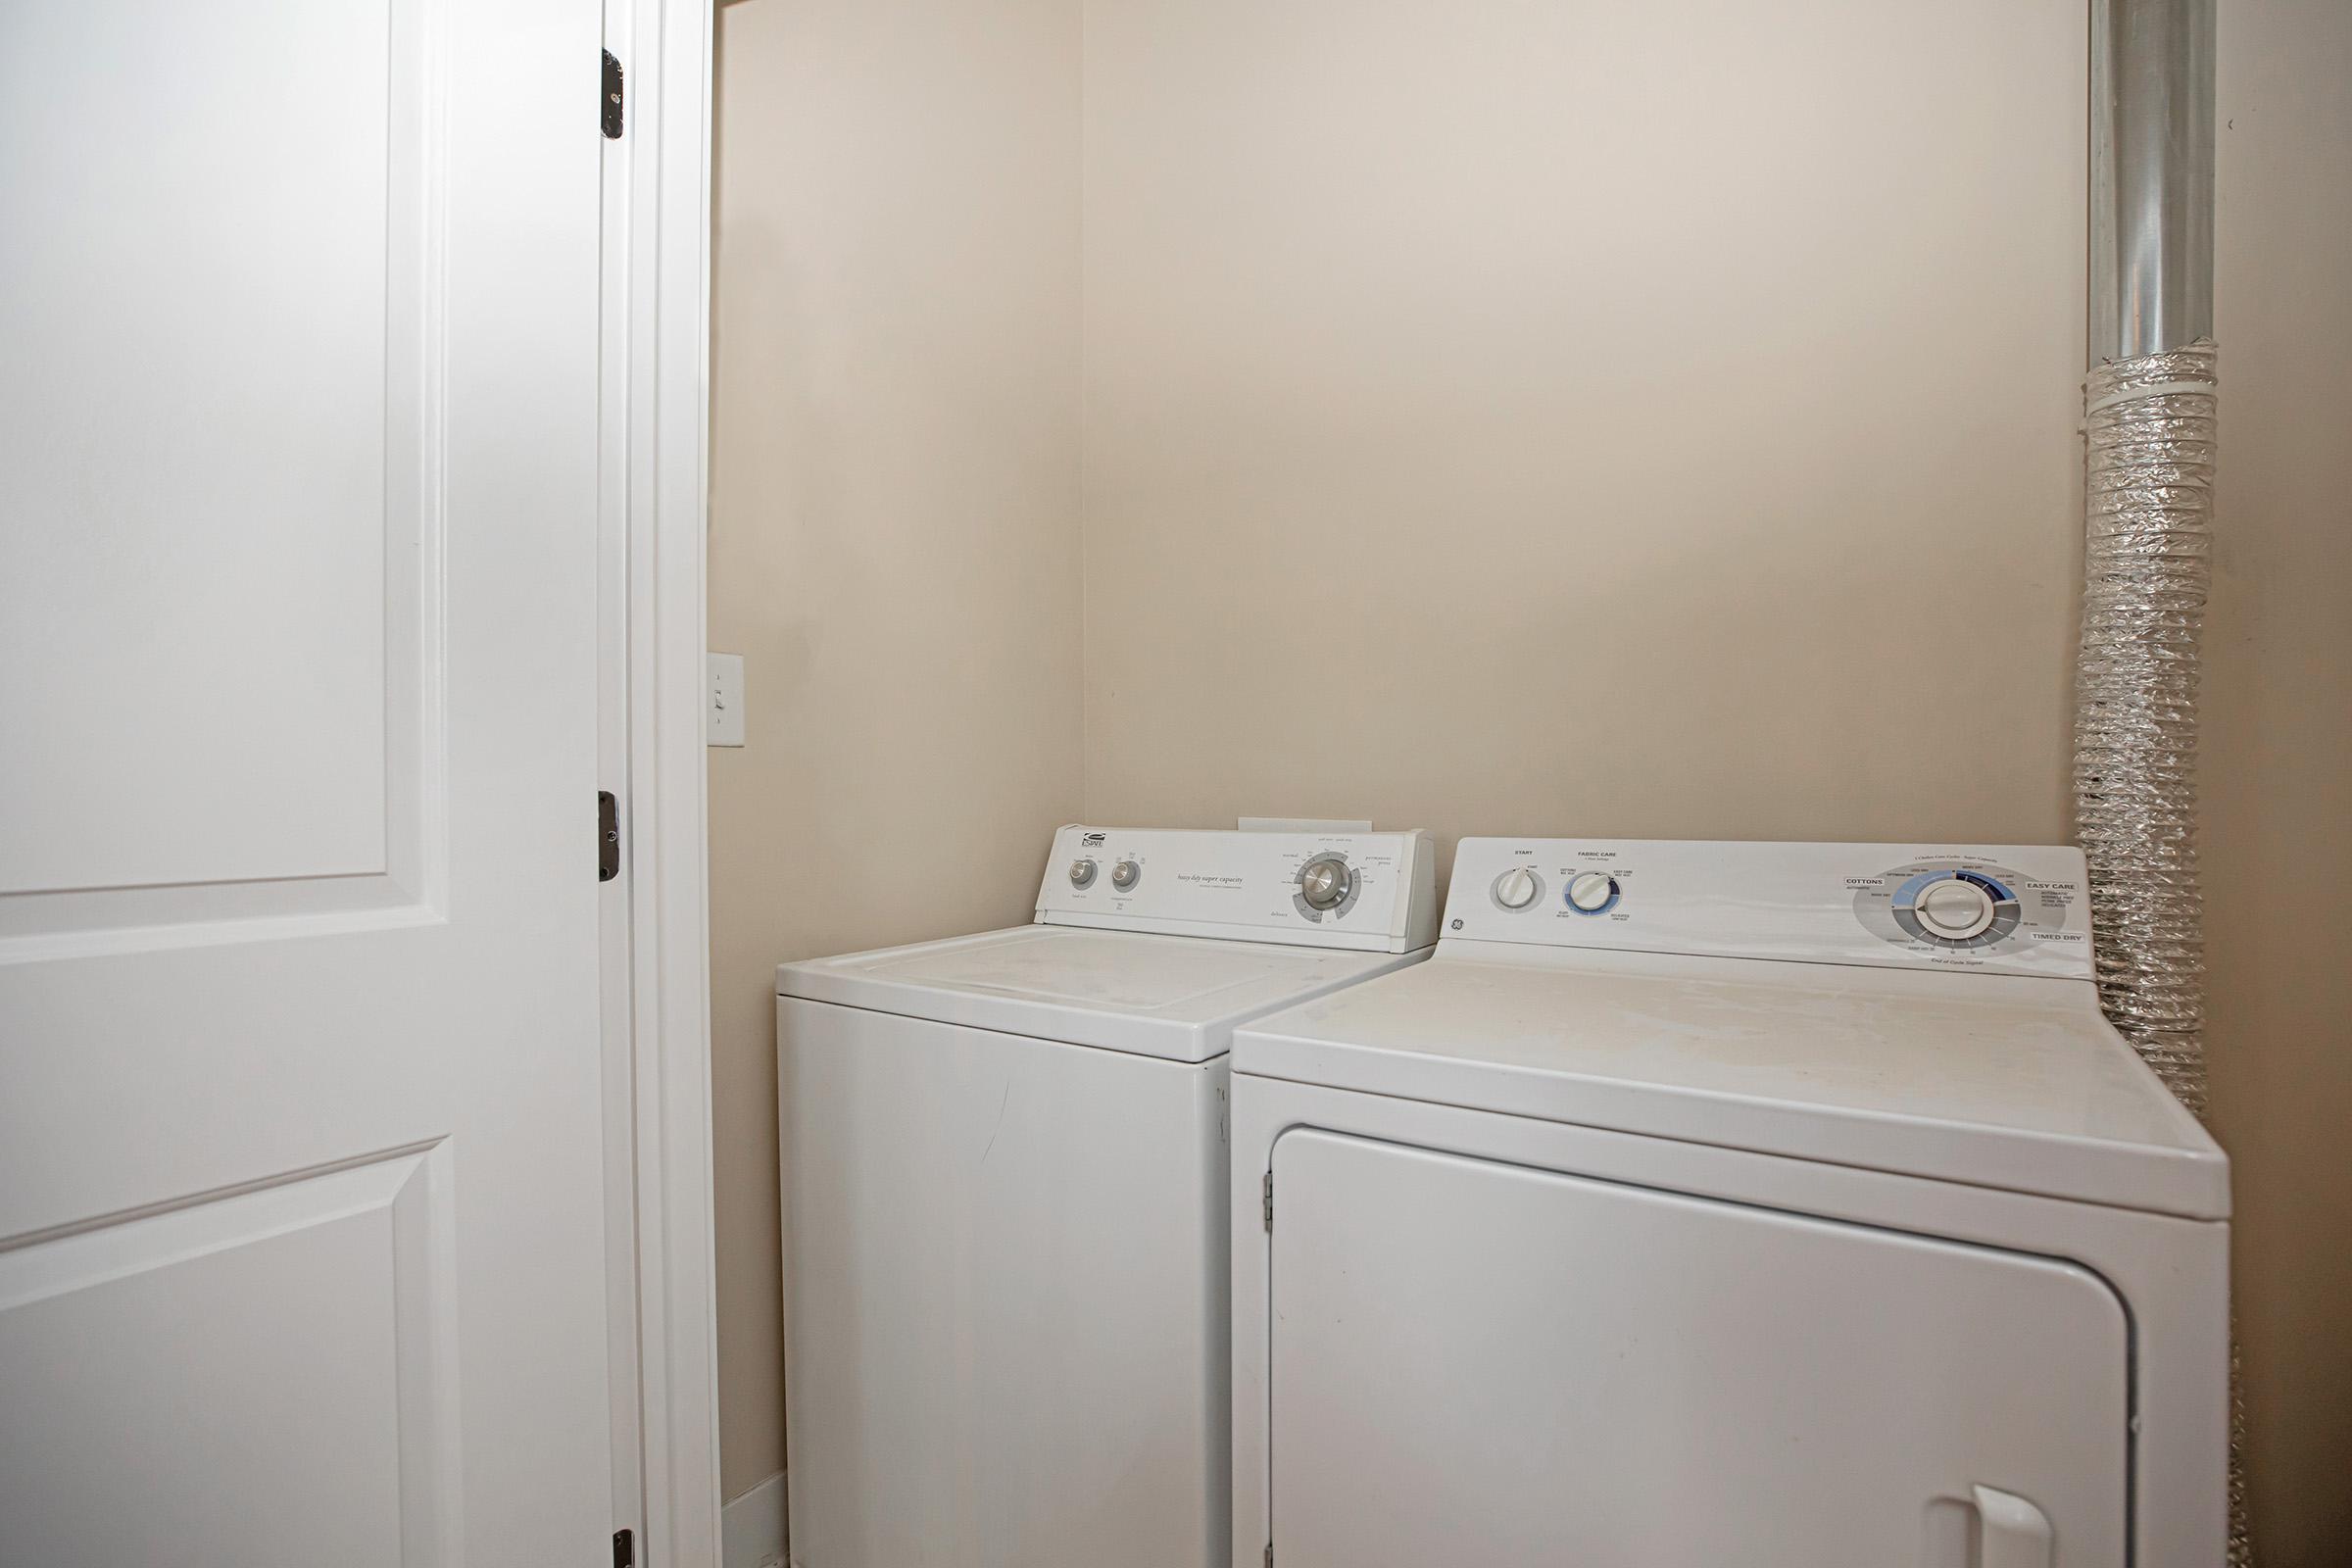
(2278, 752)
(1531, 418)
(1515, 417)
(894, 541)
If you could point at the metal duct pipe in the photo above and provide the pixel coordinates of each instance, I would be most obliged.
(2151, 176)
(2150, 407)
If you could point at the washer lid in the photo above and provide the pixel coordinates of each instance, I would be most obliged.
(1997, 1081)
(1157, 995)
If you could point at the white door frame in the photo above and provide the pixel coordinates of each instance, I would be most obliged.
(658, 308)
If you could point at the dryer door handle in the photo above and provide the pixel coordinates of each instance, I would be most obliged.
(2011, 1532)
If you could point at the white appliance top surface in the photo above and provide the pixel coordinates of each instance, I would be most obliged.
(1962, 1074)
(1162, 995)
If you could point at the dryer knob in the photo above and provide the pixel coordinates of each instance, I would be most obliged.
(1517, 888)
(1081, 873)
(1591, 893)
(1954, 910)
(1125, 875)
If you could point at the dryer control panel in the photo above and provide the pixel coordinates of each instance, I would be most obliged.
(2001, 909)
(1371, 891)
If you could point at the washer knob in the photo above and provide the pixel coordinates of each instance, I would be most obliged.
(1325, 882)
(1081, 873)
(1953, 910)
(1590, 892)
(1125, 875)
(1517, 888)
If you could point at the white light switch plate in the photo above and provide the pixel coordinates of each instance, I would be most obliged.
(723, 715)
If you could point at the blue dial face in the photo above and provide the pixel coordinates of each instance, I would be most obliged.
(2004, 918)
(1602, 908)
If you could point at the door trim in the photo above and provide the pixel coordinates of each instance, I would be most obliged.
(658, 307)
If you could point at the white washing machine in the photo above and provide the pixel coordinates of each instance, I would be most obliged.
(1003, 1163)
(1699, 1204)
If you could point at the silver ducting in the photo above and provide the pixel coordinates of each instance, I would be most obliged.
(2150, 408)
(2151, 176)
(2148, 508)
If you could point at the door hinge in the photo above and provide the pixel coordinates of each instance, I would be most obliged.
(1268, 1189)
(607, 836)
(624, 1548)
(610, 104)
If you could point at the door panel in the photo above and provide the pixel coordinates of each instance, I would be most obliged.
(289, 1333)
(302, 1208)
(1478, 1364)
(222, 388)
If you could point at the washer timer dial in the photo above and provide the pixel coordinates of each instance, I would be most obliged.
(1325, 882)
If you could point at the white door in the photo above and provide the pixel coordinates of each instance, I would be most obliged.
(302, 1225)
(1488, 1366)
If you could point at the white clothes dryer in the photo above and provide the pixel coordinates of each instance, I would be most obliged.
(1004, 1166)
(1778, 1206)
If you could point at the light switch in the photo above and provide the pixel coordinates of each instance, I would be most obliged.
(724, 712)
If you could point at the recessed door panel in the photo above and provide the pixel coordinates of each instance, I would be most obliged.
(1482, 1364)
(193, 374)
(260, 1378)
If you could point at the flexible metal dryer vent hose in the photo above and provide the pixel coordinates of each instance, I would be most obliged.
(2147, 543)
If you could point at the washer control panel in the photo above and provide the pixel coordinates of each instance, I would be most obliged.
(2010, 909)
(1376, 892)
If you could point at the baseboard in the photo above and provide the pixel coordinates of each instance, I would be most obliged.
(750, 1529)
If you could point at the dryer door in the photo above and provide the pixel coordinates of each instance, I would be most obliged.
(1482, 1364)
